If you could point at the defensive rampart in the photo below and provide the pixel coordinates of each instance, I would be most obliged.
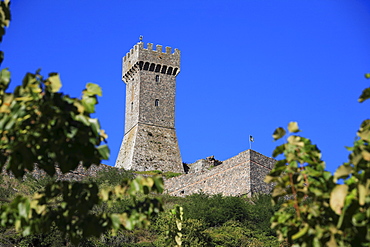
(242, 174)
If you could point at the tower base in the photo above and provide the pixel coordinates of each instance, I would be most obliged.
(147, 147)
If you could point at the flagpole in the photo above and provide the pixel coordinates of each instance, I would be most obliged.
(250, 141)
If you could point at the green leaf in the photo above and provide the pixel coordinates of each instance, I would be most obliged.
(23, 208)
(365, 95)
(31, 84)
(104, 152)
(26, 231)
(361, 194)
(296, 141)
(278, 191)
(94, 123)
(93, 89)
(293, 127)
(158, 181)
(301, 232)
(359, 219)
(367, 75)
(278, 150)
(4, 79)
(116, 222)
(268, 179)
(83, 119)
(178, 239)
(129, 224)
(337, 197)
(53, 83)
(135, 185)
(1, 57)
(89, 103)
(343, 171)
(278, 133)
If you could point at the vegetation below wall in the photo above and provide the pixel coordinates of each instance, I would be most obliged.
(208, 220)
(157, 172)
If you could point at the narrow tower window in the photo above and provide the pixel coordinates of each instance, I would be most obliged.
(156, 103)
(132, 106)
(157, 78)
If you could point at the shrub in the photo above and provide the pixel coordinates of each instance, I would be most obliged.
(171, 174)
(215, 210)
(111, 176)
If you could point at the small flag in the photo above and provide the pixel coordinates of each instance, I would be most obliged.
(251, 138)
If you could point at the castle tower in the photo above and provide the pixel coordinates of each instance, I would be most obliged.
(150, 142)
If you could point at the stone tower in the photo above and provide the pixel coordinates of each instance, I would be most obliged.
(150, 142)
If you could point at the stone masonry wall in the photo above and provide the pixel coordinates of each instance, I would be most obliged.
(156, 148)
(202, 165)
(157, 99)
(242, 174)
(150, 141)
(260, 167)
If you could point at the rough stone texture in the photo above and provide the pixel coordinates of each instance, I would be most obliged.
(76, 175)
(242, 174)
(202, 165)
(150, 141)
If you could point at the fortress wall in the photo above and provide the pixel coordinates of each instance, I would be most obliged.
(232, 181)
(258, 174)
(239, 175)
(260, 167)
(262, 159)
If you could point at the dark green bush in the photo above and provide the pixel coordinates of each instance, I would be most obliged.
(216, 210)
(171, 174)
(260, 212)
(209, 220)
(111, 176)
(36, 184)
(6, 191)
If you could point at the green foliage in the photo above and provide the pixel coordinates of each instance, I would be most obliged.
(212, 220)
(6, 189)
(36, 120)
(34, 184)
(192, 231)
(174, 231)
(301, 175)
(4, 22)
(215, 210)
(253, 231)
(111, 177)
(171, 174)
(157, 172)
(68, 206)
(233, 233)
(326, 213)
(40, 125)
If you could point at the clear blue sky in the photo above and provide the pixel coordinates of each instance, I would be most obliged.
(247, 66)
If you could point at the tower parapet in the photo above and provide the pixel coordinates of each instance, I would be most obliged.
(140, 58)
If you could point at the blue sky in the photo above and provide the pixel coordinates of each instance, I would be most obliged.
(247, 66)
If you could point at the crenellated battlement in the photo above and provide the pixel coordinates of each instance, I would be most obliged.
(157, 60)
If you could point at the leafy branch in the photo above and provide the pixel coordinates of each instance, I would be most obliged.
(40, 125)
(326, 212)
